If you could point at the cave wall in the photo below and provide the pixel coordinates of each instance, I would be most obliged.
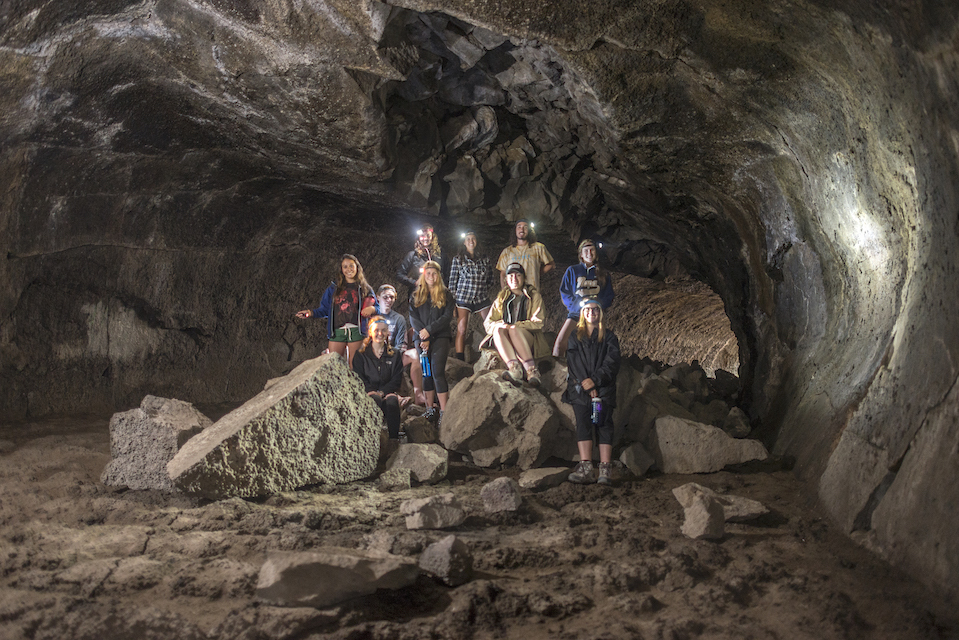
(176, 173)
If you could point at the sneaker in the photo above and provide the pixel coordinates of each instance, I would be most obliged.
(605, 473)
(532, 376)
(439, 419)
(430, 413)
(582, 474)
(514, 373)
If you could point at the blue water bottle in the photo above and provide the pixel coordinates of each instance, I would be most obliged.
(425, 364)
(597, 410)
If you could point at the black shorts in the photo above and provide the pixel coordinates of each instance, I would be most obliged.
(476, 306)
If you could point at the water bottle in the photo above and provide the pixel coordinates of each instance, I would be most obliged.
(425, 364)
(597, 410)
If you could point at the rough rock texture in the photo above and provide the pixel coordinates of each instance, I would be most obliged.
(636, 459)
(497, 423)
(703, 518)
(437, 512)
(539, 479)
(172, 171)
(427, 463)
(314, 425)
(735, 508)
(144, 440)
(502, 494)
(684, 446)
(448, 560)
(327, 576)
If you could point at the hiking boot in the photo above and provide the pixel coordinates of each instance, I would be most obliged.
(430, 414)
(439, 420)
(605, 473)
(582, 474)
(532, 376)
(514, 373)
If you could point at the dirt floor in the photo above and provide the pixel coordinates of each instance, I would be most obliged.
(81, 560)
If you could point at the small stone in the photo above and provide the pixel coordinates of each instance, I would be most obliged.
(502, 494)
(704, 519)
(735, 508)
(448, 560)
(436, 512)
(428, 463)
(327, 576)
(539, 479)
(397, 479)
(636, 459)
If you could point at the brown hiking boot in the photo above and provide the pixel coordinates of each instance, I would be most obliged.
(583, 473)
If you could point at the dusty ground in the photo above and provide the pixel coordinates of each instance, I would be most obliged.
(80, 560)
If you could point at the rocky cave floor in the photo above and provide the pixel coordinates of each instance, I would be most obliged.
(81, 560)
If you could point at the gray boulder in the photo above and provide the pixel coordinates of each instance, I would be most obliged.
(636, 459)
(315, 425)
(436, 512)
(539, 479)
(736, 423)
(420, 430)
(144, 440)
(428, 463)
(685, 446)
(502, 494)
(448, 560)
(324, 577)
(735, 508)
(496, 423)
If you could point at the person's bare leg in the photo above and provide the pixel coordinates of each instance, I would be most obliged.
(430, 398)
(524, 350)
(416, 376)
(586, 450)
(443, 397)
(353, 348)
(338, 347)
(501, 338)
(562, 338)
(462, 323)
(605, 452)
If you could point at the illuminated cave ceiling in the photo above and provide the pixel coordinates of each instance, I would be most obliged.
(169, 166)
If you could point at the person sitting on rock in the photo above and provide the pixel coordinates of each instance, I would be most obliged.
(471, 276)
(380, 367)
(593, 362)
(426, 248)
(431, 311)
(515, 327)
(583, 280)
(347, 304)
(399, 332)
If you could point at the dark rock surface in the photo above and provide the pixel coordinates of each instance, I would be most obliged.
(179, 177)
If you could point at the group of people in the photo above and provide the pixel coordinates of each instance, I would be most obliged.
(378, 342)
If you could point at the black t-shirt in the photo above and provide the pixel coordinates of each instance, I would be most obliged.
(346, 306)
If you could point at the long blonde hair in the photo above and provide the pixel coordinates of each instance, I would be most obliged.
(582, 331)
(369, 334)
(437, 295)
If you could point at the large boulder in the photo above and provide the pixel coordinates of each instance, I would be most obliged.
(145, 439)
(315, 425)
(497, 423)
(428, 463)
(685, 446)
(636, 413)
(327, 576)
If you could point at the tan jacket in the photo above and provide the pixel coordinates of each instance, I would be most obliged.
(534, 323)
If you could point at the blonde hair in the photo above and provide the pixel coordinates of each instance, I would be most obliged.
(582, 331)
(437, 294)
(369, 334)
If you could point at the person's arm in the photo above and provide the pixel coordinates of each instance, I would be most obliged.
(399, 340)
(368, 306)
(403, 273)
(396, 377)
(548, 263)
(443, 321)
(454, 274)
(567, 289)
(495, 316)
(326, 303)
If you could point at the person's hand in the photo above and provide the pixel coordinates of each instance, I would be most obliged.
(404, 400)
(424, 345)
(588, 384)
(303, 315)
(594, 393)
(424, 334)
(366, 312)
(374, 393)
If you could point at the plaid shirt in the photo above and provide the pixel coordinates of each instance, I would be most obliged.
(470, 280)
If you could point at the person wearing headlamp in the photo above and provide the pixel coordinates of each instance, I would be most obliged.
(583, 280)
(426, 248)
(471, 277)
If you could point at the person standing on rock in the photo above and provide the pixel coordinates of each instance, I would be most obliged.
(380, 367)
(399, 329)
(347, 305)
(593, 361)
(431, 312)
(427, 248)
(525, 250)
(471, 276)
(515, 327)
(583, 280)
